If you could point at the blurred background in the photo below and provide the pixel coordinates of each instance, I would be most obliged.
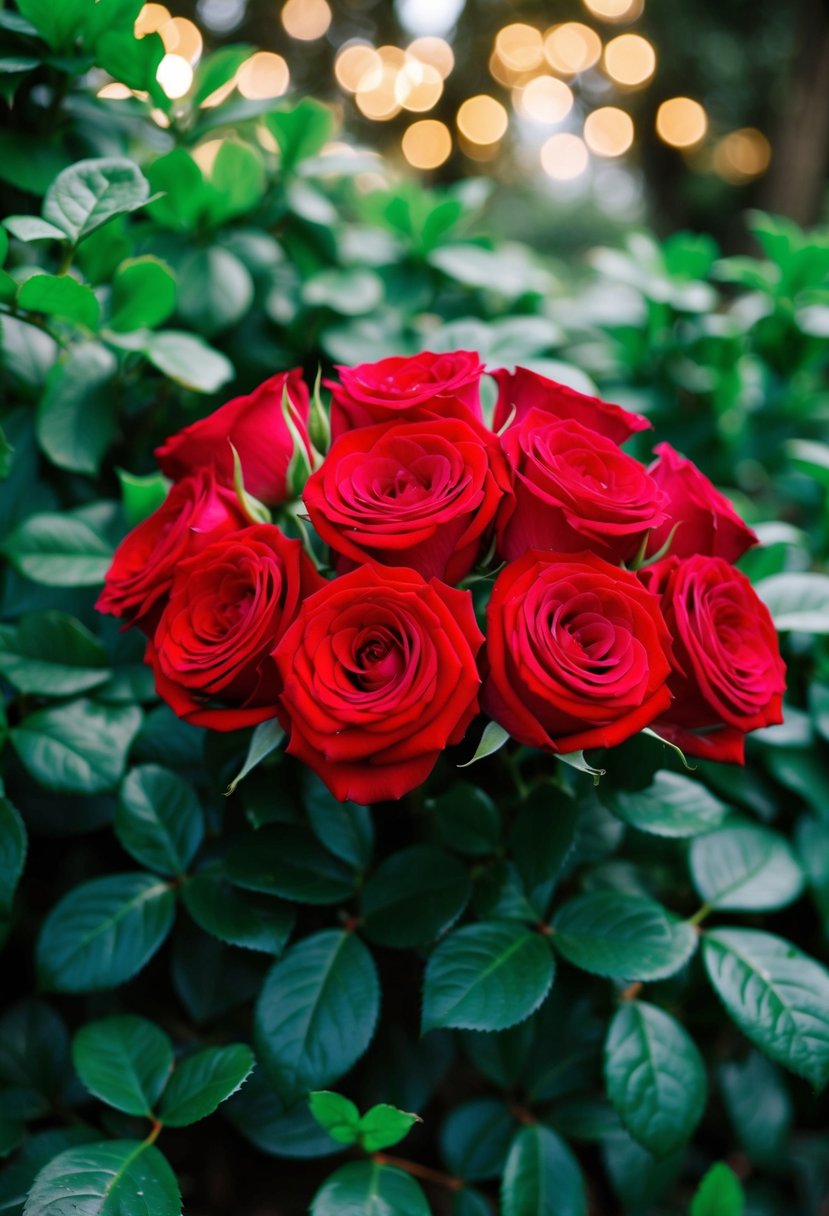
(586, 115)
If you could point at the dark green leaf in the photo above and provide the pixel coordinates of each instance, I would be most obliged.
(542, 1177)
(290, 862)
(414, 895)
(103, 932)
(235, 916)
(316, 1013)
(622, 936)
(125, 1061)
(143, 294)
(159, 820)
(466, 819)
(367, 1188)
(745, 867)
(78, 747)
(486, 977)
(719, 1194)
(202, 1081)
(34, 1060)
(91, 193)
(59, 550)
(12, 858)
(476, 1137)
(52, 654)
(77, 417)
(759, 1107)
(60, 296)
(112, 1178)
(778, 997)
(655, 1077)
(672, 805)
(343, 827)
(541, 841)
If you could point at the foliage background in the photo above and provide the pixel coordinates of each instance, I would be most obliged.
(273, 251)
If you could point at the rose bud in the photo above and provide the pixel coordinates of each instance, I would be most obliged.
(255, 426)
(420, 494)
(728, 676)
(576, 653)
(212, 649)
(196, 511)
(574, 489)
(523, 390)
(379, 675)
(419, 386)
(699, 519)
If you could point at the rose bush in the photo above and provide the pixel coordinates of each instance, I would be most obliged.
(597, 989)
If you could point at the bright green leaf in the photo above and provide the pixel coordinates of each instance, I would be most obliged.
(140, 496)
(719, 1194)
(338, 1115)
(143, 294)
(60, 296)
(384, 1125)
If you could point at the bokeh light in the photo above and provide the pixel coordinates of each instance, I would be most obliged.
(608, 131)
(151, 19)
(377, 97)
(436, 52)
(482, 120)
(545, 99)
(418, 86)
(629, 59)
(681, 122)
(572, 47)
(427, 144)
(615, 10)
(182, 37)
(520, 47)
(175, 75)
(306, 20)
(564, 157)
(742, 155)
(114, 91)
(264, 75)
(358, 65)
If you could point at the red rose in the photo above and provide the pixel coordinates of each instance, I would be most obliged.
(420, 386)
(228, 607)
(420, 494)
(576, 653)
(522, 390)
(729, 677)
(196, 511)
(379, 676)
(573, 489)
(255, 426)
(707, 521)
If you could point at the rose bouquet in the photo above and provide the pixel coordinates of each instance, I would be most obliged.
(382, 576)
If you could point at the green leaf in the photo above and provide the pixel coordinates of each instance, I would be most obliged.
(103, 932)
(78, 747)
(797, 601)
(203, 1081)
(140, 496)
(492, 740)
(217, 69)
(759, 1107)
(265, 739)
(778, 996)
(13, 845)
(655, 1077)
(719, 1193)
(236, 182)
(90, 193)
(188, 361)
(77, 418)
(34, 1060)
(476, 1137)
(215, 290)
(178, 180)
(159, 819)
(338, 1115)
(33, 228)
(51, 654)
(290, 862)
(143, 294)
(316, 1013)
(384, 1125)
(59, 550)
(542, 838)
(133, 61)
(301, 130)
(413, 896)
(577, 761)
(745, 868)
(61, 296)
(367, 1188)
(60, 24)
(236, 917)
(111, 1178)
(466, 819)
(124, 1061)
(486, 977)
(673, 805)
(351, 292)
(343, 827)
(622, 936)
(542, 1177)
